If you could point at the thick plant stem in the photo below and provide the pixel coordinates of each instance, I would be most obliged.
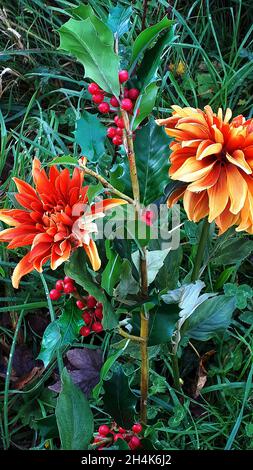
(176, 375)
(131, 158)
(200, 252)
(144, 366)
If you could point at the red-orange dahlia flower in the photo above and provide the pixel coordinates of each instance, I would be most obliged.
(214, 158)
(55, 220)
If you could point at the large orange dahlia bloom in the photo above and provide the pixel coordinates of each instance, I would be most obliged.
(56, 219)
(213, 156)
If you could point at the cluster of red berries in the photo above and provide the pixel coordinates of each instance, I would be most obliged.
(107, 435)
(92, 315)
(126, 103)
(62, 286)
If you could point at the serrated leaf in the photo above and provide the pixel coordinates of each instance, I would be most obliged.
(146, 37)
(119, 20)
(90, 134)
(73, 415)
(61, 332)
(83, 12)
(119, 400)
(145, 103)
(86, 41)
(64, 160)
(76, 269)
(111, 273)
(211, 317)
(152, 152)
(94, 190)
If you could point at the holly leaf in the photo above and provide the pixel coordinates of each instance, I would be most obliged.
(90, 134)
(119, 400)
(111, 273)
(89, 43)
(73, 415)
(145, 103)
(119, 20)
(146, 37)
(152, 152)
(82, 12)
(76, 269)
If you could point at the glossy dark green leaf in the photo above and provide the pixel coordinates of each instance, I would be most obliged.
(76, 268)
(152, 152)
(119, 400)
(211, 317)
(119, 20)
(47, 427)
(82, 12)
(90, 134)
(162, 321)
(232, 251)
(145, 103)
(92, 44)
(111, 273)
(73, 415)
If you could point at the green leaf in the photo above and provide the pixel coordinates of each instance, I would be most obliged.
(152, 152)
(64, 160)
(90, 134)
(247, 317)
(94, 190)
(87, 42)
(232, 251)
(211, 317)
(168, 275)
(61, 332)
(104, 371)
(47, 427)
(82, 12)
(162, 321)
(119, 20)
(242, 293)
(206, 85)
(146, 37)
(155, 260)
(147, 70)
(127, 284)
(119, 400)
(111, 273)
(76, 269)
(145, 103)
(73, 415)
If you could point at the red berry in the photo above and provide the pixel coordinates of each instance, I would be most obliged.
(118, 436)
(93, 88)
(134, 443)
(119, 121)
(59, 285)
(114, 102)
(123, 76)
(122, 430)
(119, 131)
(111, 132)
(97, 327)
(125, 93)
(80, 304)
(99, 313)
(117, 140)
(54, 294)
(137, 428)
(69, 288)
(127, 104)
(104, 430)
(68, 279)
(98, 98)
(100, 305)
(133, 93)
(86, 317)
(104, 108)
(91, 301)
(84, 331)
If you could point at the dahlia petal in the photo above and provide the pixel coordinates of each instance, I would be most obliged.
(238, 159)
(237, 188)
(92, 253)
(192, 170)
(24, 267)
(217, 134)
(207, 181)
(14, 217)
(106, 204)
(228, 115)
(218, 196)
(175, 196)
(196, 205)
(212, 149)
(226, 220)
(56, 259)
(195, 130)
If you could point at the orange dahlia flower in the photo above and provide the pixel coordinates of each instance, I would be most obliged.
(213, 157)
(55, 220)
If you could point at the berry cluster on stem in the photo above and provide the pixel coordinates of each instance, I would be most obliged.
(108, 434)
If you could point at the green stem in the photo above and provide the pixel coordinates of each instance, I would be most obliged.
(200, 251)
(176, 375)
(53, 318)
